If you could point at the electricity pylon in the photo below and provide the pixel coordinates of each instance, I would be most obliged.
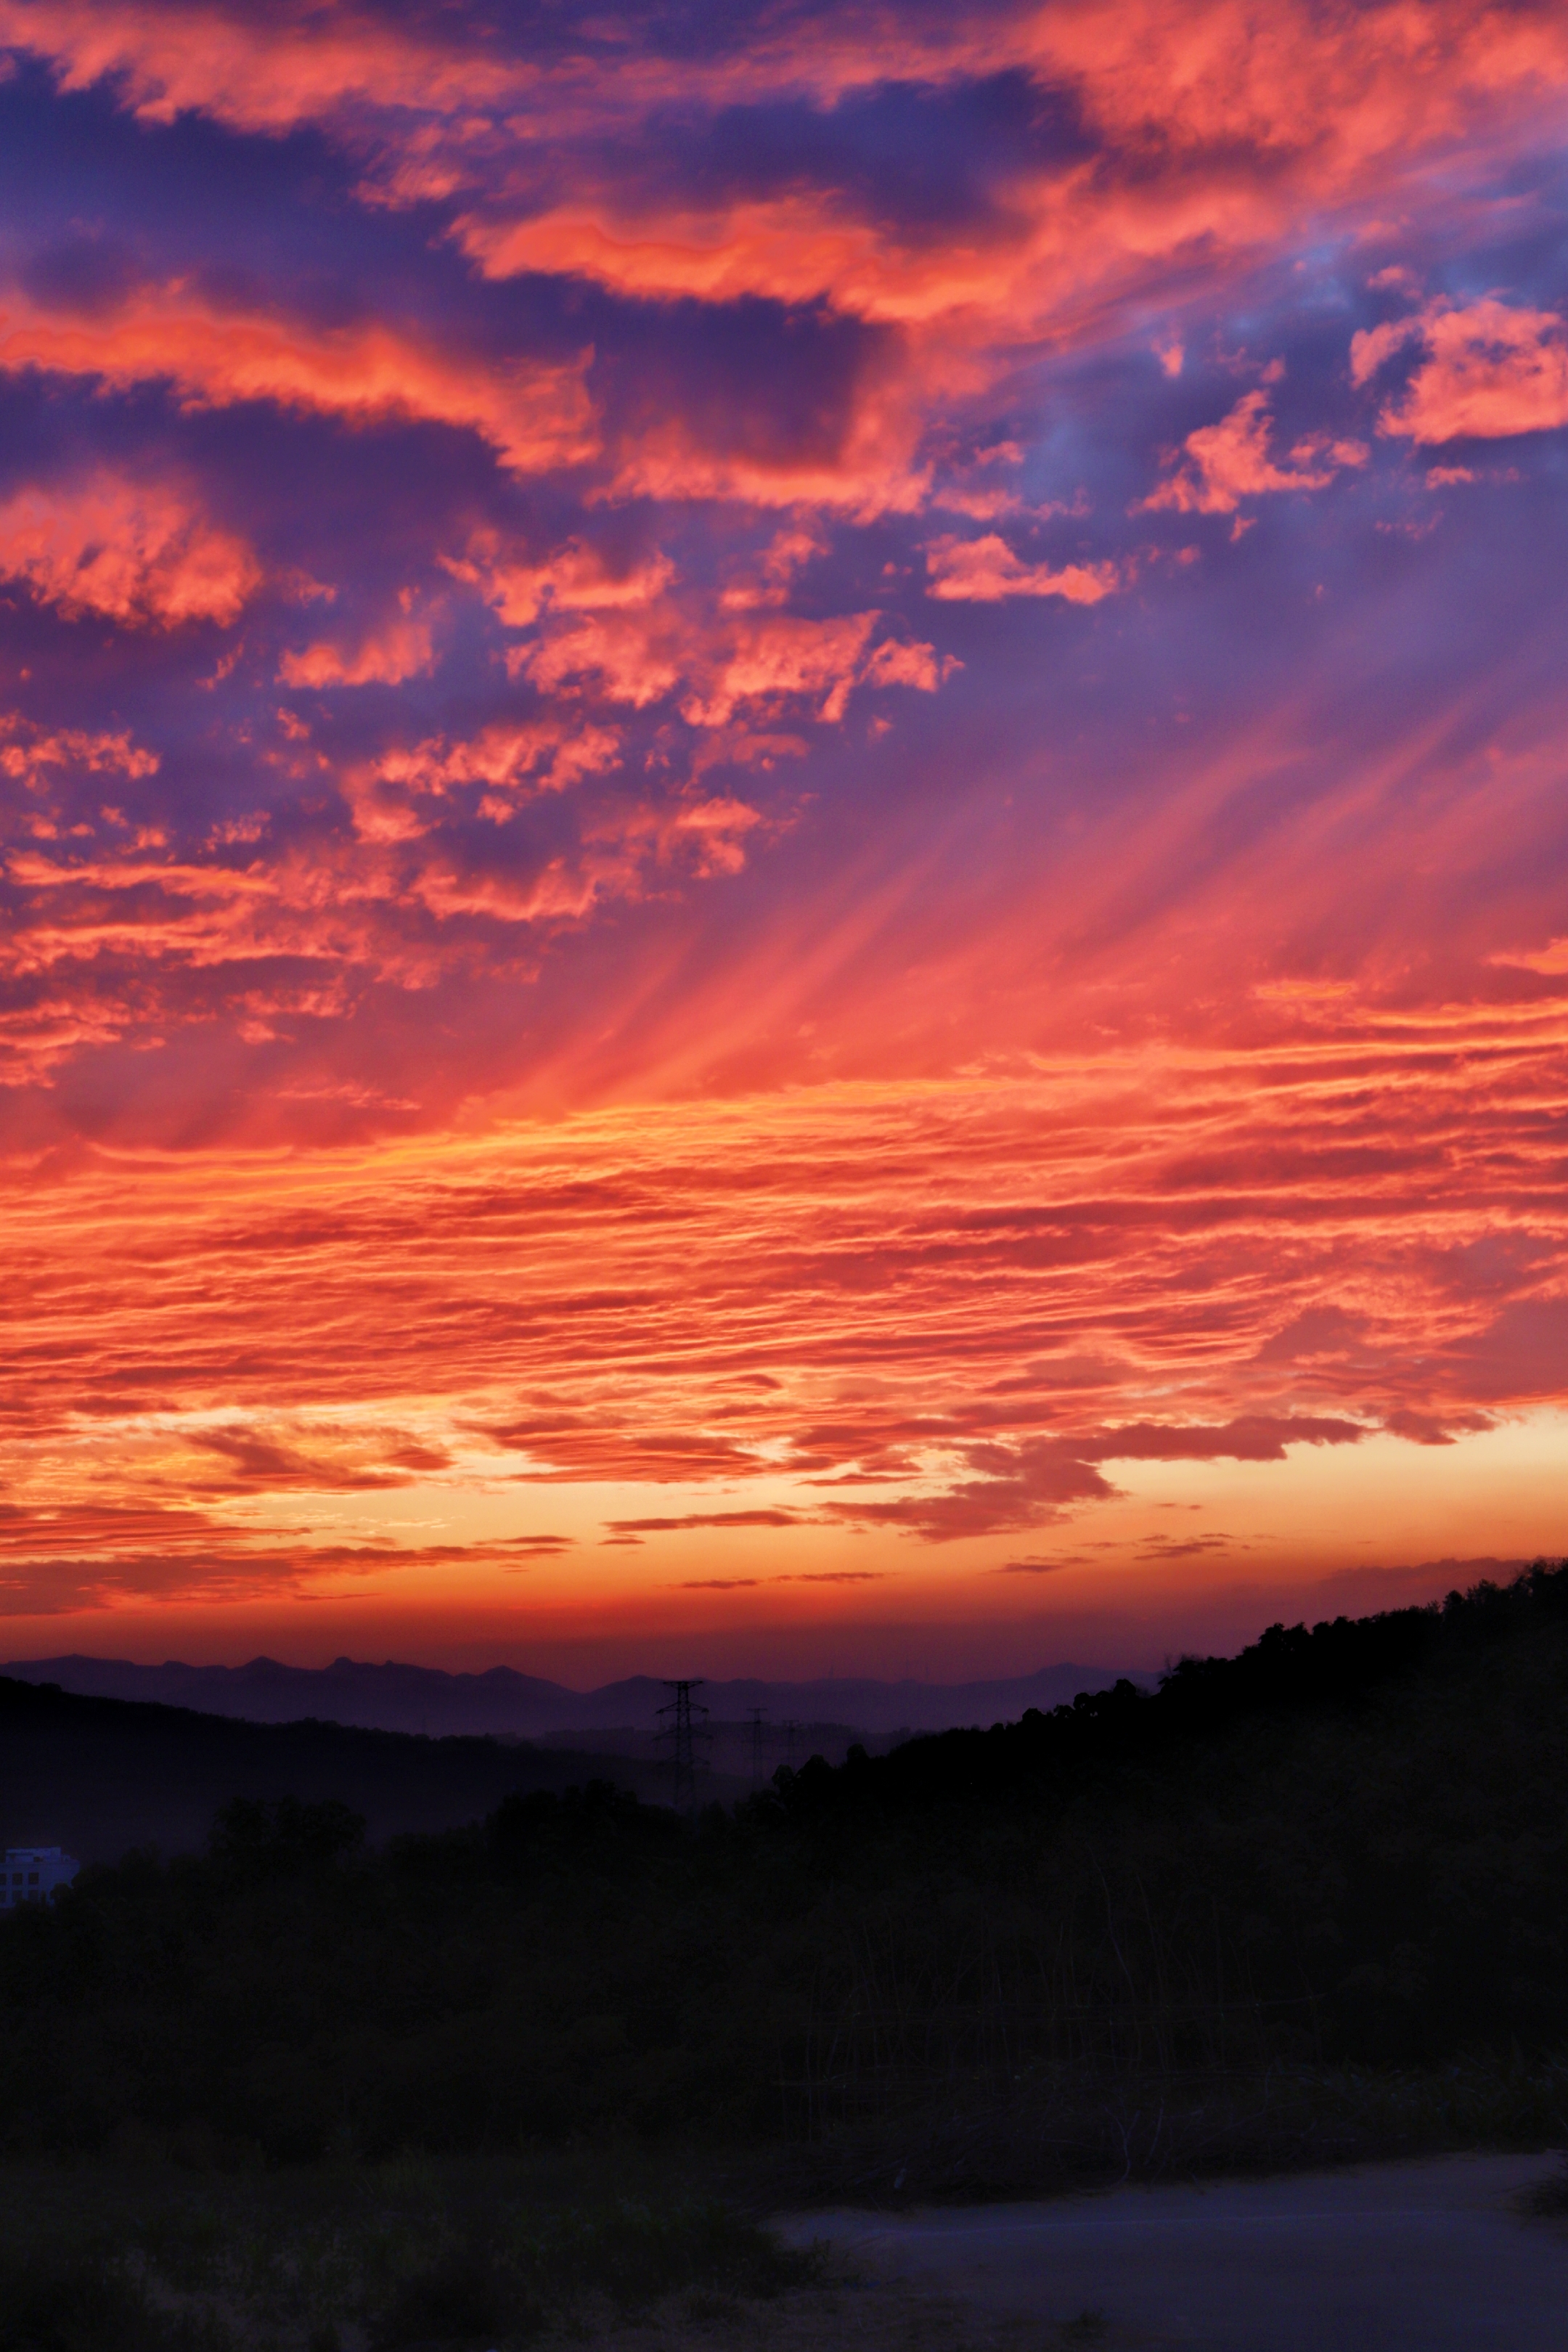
(756, 1714)
(683, 1734)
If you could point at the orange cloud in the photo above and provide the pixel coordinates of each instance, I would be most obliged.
(1488, 371)
(536, 415)
(795, 248)
(688, 1519)
(984, 570)
(1228, 462)
(140, 554)
(951, 1303)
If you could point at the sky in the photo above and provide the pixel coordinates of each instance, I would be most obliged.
(784, 845)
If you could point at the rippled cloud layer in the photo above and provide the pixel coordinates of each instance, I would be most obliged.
(782, 815)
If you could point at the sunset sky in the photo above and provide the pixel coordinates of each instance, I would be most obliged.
(786, 825)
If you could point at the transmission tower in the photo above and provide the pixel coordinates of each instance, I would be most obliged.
(683, 1733)
(756, 1714)
(790, 1728)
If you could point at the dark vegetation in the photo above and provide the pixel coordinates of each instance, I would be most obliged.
(1306, 1903)
(406, 2257)
(1347, 1847)
(1550, 2197)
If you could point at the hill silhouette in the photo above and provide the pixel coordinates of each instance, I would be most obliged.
(1327, 1878)
(100, 1776)
(393, 1696)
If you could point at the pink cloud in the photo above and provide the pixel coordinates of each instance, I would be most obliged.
(627, 657)
(627, 638)
(794, 249)
(1329, 107)
(141, 553)
(917, 665)
(399, 649)
(1488, 371)
(576, 579)
(984, 570)
(265, 74)
(772, 661)
(505, 765)
(786, 555)
(1314, 120)
(1228, 462)
(27, 753)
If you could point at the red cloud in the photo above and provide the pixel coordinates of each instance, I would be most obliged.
(1015, 1486)
(1252, 1437)
(763, 1518)
(1488, 371)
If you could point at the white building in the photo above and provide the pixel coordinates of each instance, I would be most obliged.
(32, 1874)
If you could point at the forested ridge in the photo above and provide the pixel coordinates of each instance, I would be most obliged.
(1346, 1848)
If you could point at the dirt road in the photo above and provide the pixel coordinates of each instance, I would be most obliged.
(1432, 2256)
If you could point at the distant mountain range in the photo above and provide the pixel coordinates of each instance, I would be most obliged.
(502, 1703)
(101, 1776)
